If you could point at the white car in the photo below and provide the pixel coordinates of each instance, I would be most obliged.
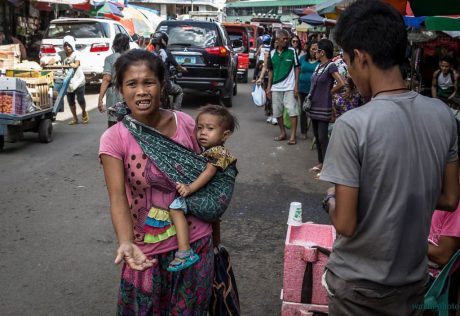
(93, 41)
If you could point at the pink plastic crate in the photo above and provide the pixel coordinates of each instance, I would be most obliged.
(12, 102)
(297, 309)
(298, 251)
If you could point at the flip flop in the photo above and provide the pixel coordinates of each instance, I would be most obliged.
(292, 142)
(315, 169)
(279, 138)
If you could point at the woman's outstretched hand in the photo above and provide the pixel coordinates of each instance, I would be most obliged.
(133, 257)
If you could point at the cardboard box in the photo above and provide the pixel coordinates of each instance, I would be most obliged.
(15, 48)
(7, 83)
(7, 63)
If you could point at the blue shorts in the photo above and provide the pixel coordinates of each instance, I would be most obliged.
(179, 204)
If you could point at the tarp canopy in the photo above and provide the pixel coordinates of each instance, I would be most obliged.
(315, 19)
(435, 7)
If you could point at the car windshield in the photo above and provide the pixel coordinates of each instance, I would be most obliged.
(191, 35)
(78, 30)
(235, 36)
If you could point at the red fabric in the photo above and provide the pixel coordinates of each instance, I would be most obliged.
(155, 230)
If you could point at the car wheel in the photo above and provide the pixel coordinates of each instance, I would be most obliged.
(45, 131)
(227, 102)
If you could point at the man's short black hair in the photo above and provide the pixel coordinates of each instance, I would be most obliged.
(447, 59)
(375, 27)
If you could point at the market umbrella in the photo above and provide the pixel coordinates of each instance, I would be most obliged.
(107, 8)
(151, 15)
(315, 19)
(304, 11)
(141, 25)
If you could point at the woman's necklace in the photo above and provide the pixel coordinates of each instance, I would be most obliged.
(389, 90)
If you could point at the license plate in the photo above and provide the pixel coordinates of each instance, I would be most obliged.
(186, 60)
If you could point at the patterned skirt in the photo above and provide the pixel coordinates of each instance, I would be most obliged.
(159, 292)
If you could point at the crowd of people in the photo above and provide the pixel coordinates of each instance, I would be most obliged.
(389, 171)
(295, 74)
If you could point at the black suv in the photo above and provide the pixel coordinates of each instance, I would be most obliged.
(205, 49)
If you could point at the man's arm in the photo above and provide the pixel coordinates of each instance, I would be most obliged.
(343, 209)
(442, 253)
(454, 94)
(296, 86)
(448, 200)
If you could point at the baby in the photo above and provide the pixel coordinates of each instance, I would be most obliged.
(214, 125)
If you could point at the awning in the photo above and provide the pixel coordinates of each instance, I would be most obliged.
(68, 2)
(435, 7)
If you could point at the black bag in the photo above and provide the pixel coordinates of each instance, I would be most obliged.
(224, 300)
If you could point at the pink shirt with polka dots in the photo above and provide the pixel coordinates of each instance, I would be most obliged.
(145, 185)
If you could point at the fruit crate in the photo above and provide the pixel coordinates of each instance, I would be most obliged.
(12, 102)
(24, 73)
(38, 89)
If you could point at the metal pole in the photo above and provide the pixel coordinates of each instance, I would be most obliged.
(192, 5)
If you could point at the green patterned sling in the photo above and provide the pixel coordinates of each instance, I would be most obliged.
(183, 165)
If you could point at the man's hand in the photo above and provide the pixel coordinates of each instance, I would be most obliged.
(268, 92)
(183, 189)
(133, 257)
(181, 68)
(100, 106)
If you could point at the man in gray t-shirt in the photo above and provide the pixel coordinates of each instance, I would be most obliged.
(393, 161)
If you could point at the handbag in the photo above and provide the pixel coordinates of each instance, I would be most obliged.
(77, 80)
(224, 299)
(307, 104)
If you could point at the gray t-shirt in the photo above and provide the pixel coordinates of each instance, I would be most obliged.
(394, 149)
(113, 96)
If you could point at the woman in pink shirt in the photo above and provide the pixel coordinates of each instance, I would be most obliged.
(139, 192)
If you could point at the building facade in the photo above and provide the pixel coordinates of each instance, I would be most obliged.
(244, 10)
(170, 9)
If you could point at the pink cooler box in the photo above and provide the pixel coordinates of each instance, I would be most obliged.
(304, 263)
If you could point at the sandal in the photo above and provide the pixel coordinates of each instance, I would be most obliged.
(73, 122)
(279, 138)
(183, 260)
(85, 118)
(292, 142)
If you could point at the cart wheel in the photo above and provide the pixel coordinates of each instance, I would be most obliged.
(2, 142)
(45, 131)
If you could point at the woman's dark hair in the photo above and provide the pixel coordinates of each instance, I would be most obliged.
(327, 46)
(308, 47)
(375, 27)
(299, 44)
(228, 120)
(138, 56)
(120, 43)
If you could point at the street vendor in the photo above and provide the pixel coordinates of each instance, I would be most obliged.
(69, 57)
(445, 81)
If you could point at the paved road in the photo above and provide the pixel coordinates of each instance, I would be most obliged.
(56, 239)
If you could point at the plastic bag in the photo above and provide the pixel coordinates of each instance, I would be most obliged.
(258, 95)
(77, 80)
(287, 119)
